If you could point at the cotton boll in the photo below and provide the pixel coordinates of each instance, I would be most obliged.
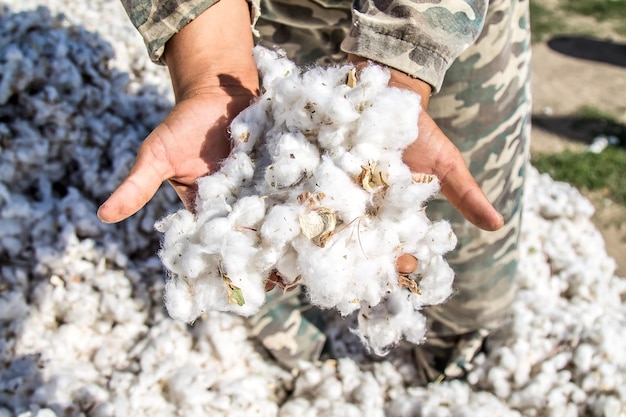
(435, 283)
(237, 251)
(194, 262)
(381, 125)
(214, 197)
(287, 266)
(400, 198)
(294, 159)
(179, 301)
(298, 407)
(382, 326)
(366, 152)
(248, 126)
(280, 225)
(237, 170)
(292, 110)
(273, 66)
(341, 193)
(206, 294)
(211, 233)
(175, 226)
(372, 81)
(333, 139)
(349, 162)
(411, 228)
(247, 213)
(320, 270)
(253, 291)
(440, 238)
(171, 255)
(414, 330)
(394, 169)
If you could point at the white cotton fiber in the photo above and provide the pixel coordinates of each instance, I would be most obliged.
(315, 189)
(84, 331)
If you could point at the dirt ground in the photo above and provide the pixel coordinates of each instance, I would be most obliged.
(570, 72)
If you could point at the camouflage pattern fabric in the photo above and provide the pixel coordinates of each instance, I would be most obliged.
(158, 21)
(289, 328)
(483, 105)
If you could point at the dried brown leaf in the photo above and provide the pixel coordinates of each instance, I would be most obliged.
(406, 282)
(318, 225)
(351, 78)
(420, 177)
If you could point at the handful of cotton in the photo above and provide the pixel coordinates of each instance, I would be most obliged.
(315, 193)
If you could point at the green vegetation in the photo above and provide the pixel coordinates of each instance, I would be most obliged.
(543, 22)
(599, 9)
(602, 171)
(547, 21)
(588, 171)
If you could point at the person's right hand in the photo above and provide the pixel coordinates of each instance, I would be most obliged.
(189, 143)
(214, 77)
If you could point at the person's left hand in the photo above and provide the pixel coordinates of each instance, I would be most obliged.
(434, 153)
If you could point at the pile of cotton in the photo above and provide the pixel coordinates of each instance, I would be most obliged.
(315, 191)
(83, 329)
(564, 351)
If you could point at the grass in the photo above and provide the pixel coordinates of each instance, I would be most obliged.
(543, 22)
(547, 21)
(600, 9)
(588, 171)
(602, 173)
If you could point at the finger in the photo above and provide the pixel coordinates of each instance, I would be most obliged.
(137, 189)
(186, 193)
(406, 264)
(462, 191)
(457, 183)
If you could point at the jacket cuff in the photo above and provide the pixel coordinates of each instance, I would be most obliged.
(157, 26)
(387, 48)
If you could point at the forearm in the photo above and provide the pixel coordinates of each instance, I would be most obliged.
(419, 38)
(158, 20)
(213, 50)
(401, 80)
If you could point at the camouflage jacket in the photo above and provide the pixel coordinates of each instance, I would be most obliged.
(419, 37)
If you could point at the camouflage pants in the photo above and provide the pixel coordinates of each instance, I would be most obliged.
(484, 108)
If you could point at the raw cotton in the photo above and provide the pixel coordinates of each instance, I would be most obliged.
(315, 190)
(83, 331)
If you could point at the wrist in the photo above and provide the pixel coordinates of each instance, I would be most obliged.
(214, 51)
(400, 79)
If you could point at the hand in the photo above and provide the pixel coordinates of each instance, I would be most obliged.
(434, 153)
(214, 78)
(189, 143)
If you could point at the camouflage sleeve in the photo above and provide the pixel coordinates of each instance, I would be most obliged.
(159, 20)
(419, 37)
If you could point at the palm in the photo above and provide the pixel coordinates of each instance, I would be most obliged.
(434, 153)
(189, 143)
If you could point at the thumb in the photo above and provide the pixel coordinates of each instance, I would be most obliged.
(143, 181)
(435, 152)
(462, 191)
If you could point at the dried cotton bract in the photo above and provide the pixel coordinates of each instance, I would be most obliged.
(315, 189)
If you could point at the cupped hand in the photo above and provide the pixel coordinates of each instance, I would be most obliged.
(434, 153)
(214, 78)
(189, 143)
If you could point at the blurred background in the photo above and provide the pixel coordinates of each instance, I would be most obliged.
(579, 105)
